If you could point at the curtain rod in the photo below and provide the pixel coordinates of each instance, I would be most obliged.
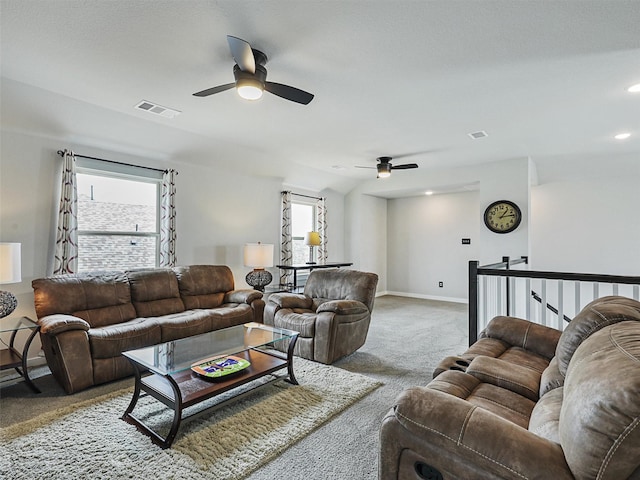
(305, 196)
(61, 153)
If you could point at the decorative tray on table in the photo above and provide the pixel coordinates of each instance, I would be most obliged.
(217, 367)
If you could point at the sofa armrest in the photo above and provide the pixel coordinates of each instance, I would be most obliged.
(58, 323)
(523, 333)
(291, 300)
(343, 307)
(463, 441)
(242, 296)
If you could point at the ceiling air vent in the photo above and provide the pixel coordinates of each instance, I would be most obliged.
(157, 109)
(476, 135)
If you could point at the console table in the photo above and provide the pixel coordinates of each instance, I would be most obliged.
(311, 266)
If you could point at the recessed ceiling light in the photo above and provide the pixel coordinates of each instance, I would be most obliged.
(622, 136)
(428, 192)
(634, 88)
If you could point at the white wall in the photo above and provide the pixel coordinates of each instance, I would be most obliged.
(425, 244)
(366, 235)
(587, 225)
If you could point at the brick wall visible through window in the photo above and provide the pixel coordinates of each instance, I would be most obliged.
(117, 222)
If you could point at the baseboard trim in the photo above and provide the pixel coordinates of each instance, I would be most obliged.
(423, 297)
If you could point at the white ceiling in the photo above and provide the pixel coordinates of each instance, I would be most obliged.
(545, 79)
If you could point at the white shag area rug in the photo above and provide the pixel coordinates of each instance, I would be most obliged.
(89, 440)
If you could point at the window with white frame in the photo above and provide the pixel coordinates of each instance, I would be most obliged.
(118, 216)
(303, 220)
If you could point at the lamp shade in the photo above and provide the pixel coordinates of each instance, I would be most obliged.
(10, 266)
(312, 239)
(258, 255)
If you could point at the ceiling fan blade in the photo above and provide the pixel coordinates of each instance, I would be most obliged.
(289, 93)
(242, 54)
(212, 90)
(404, 166)
(361, 166)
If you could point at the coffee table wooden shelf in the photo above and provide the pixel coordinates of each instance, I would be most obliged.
(173, 383)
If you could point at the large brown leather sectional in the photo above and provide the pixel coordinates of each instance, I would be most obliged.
(527, 402)
(87, 320)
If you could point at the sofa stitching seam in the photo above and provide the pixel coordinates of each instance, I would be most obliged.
(617, 444)
(526, 335)
(463, 445)
(464, 424)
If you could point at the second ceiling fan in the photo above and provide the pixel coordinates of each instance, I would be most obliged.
(384, 166)
(251, 76)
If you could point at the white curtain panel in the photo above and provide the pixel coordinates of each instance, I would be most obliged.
(321, 221)
(66, 248)
(168, 219)
(286, 240)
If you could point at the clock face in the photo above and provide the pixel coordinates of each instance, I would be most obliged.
(502, 216)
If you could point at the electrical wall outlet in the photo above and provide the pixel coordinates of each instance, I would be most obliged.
(440, 284)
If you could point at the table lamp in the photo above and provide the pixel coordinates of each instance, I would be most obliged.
(10, 272)
(258, 256)
(313, 240)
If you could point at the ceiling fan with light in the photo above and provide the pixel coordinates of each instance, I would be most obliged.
(384, 166)
(251, 76)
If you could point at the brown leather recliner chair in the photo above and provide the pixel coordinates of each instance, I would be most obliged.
(332, 315)
(494, 413)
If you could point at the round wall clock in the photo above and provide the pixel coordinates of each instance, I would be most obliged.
(502, 216)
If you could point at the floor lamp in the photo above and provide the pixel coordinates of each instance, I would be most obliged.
(10, 272)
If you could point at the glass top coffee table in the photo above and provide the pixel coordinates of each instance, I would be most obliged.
(174, 382)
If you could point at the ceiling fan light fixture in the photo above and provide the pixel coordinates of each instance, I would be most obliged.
(249, 89)
(384, 170)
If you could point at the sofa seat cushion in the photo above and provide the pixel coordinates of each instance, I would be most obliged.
(112, 340)
(229, 315)
(155, 293)
(298, 319)
(184, 324)
(517, 378)
(203, 286)
(496, 348)
(497, 400)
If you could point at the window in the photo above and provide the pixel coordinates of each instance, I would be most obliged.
(303, 220)
(118, 216)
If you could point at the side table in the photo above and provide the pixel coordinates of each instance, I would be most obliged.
(12, 358)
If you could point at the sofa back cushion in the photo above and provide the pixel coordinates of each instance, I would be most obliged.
(100, 298)
(342, 284)
(593, 317)
(155, 292)
(599, 425)
(204, 286)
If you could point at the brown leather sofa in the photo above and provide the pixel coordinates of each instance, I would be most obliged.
(332, 315)
(87, 320)
(497, 412)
